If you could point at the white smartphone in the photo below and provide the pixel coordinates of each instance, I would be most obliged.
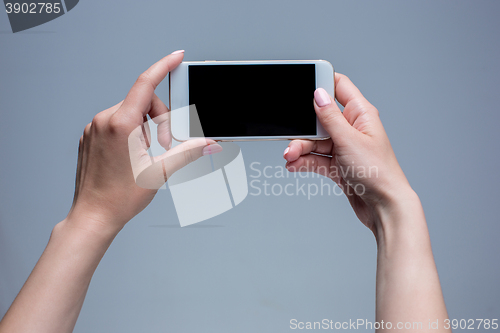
(248, 100)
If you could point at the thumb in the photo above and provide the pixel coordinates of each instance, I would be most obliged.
(164, 166)
(188, 152)
(331, 117)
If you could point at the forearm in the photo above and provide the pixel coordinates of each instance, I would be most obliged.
(408, 288)
(52, 297)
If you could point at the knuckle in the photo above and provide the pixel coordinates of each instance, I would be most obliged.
(330, 116)
(144, 79)
(116, 124)
(99, 119)
(367, 109)
(86, 130)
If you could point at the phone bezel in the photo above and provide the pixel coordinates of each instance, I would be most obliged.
(179, 97)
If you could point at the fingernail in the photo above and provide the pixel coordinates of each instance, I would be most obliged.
(286, 151)
(178, 51)
(212, 149)
(321, 97)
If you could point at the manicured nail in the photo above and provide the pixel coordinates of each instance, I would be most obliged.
(212, 149)
(286, 151)
(321, 97)
(178, 51)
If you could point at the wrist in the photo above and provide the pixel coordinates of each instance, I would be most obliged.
(95, 227)
(395, 202)
(400, 217)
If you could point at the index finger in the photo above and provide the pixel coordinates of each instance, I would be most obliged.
(346, 91)
(299, 147)
(138, 100)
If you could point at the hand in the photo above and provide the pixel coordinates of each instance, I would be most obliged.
(113, 156)
(360, 157)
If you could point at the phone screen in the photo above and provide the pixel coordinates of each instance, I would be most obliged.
(253, 100)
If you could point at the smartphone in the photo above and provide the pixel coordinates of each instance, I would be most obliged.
(248, 100)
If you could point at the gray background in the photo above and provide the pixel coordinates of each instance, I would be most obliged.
(431, 68)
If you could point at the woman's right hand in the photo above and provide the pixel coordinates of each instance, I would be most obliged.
(362, 161)
(408, 288)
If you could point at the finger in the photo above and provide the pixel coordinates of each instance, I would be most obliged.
(311, 163)
(101, 120)
(161, 116)
(157, 173)
(139, 157)
(137, 103)
(346, 91)
(104, 116)
(114, 108)
(355, 104)
(331, 117)
(321, 165)
(158, 109)
(297, 148)
(146, 134)
(188, 152)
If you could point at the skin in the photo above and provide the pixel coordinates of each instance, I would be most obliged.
(407, 288)
(112, 159)
(111, 156)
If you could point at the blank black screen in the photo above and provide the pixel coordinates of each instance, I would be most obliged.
(253, 100)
